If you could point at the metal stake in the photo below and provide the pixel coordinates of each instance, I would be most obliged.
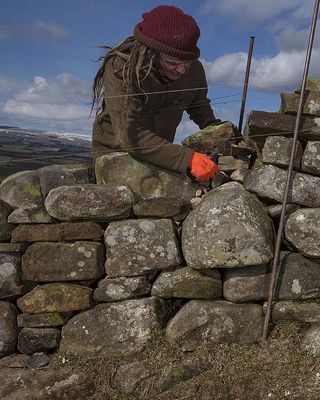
(289, 176)
(246, 81)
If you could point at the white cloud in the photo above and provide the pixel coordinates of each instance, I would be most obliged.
(50, 29)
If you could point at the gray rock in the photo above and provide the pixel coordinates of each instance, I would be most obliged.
(311, 158)
(21, 189)
(57, 232)
(136, 247)
(12, 248)
(5, 227)
(8, 329)
(269, 182)
(115, 289)
(33, 340)
(229, 228)
(203, 321)
(302, 230)
(41, 320)
(54, 176)
(298, 278)
(290, 103)
(188, 283)
(129, 376)
(15, 360)
(114, 328)
(277, 151)
(162, 207)
(275, 210)
(11, 284)
(50, 262)
(90, 202)
(30, 214)
(310, 343)
(144, 179)
(38, 360)
(56, 297)
(313, 85)
(298, 311)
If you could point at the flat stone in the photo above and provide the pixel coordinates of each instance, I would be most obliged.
(162, 207)
(14, 361)
(290, 104)
(298, 311)
(202, 321)
(56, 297)
(30, 214)
(136, 247)
(21, 189)
(238, 175)
(298, 279)
(90, 202)
(11, 284)
(275, 210)
(310, 343)
(41, 320)
(277, 151)
(229, 228)
(145, 180)
(114, 327)
(38, 360)
(11, 248)
(188, 283)
(115, 289)
(8, 328)
(311, 158)
(303, 231)
(269, 181)
(50, 262)
(218, 137)
(33, 340)
(127, 377)
(57, 232)
(230, 164)
(53, 176)
(5, 227)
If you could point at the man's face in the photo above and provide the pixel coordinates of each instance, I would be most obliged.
(171, 67)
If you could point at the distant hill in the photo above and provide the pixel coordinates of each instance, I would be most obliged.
(25, 149)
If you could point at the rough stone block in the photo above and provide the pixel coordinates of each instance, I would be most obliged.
(33, 340)
(8, 328)
(311, 158)
(277, 151)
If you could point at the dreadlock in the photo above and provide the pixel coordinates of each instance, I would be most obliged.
(139, 61)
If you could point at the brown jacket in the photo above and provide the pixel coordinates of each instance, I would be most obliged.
(148, 128)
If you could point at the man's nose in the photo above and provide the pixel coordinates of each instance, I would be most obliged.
(182, 68)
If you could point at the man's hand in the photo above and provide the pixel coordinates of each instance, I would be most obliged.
(202, 167)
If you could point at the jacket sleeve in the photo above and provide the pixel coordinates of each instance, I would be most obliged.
(126, 118)
(200, 111)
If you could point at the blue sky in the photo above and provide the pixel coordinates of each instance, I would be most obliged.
(48, 53)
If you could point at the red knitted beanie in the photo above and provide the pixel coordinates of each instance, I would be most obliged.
(167, 29)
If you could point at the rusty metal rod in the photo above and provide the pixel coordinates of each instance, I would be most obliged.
(246, 82)
(288, 187)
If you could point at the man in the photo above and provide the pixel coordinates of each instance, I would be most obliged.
(144, 85)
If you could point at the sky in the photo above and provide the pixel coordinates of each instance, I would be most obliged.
(49, 55)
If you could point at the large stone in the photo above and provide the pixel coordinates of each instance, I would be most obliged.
(229, 228)
(261, 124)
(298, 279)
(33, 340)
(12, 248)
(116, 289)
(310, 343)
(313, 85)
(162, 207)
(57, 232)
(277, 151)
(8, 329)
(269, 182)
(115, 327)
(136, 247)
(303, 231)
(218, 137)
(298, 311)
(144, 179)
(46, 320)
(11, 284)
(5, 227)
(188, 283)
(21, 189)
(30, 214)
(203, 321)
(90, 202)
(50, 262)
(311, 158)
(290, 104)
(54, 176)
(56, 297)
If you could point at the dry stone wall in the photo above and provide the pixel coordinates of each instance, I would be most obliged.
(105, 260)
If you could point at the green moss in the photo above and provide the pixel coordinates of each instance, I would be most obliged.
(31, 190)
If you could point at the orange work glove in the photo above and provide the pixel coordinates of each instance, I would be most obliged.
(202, 167)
